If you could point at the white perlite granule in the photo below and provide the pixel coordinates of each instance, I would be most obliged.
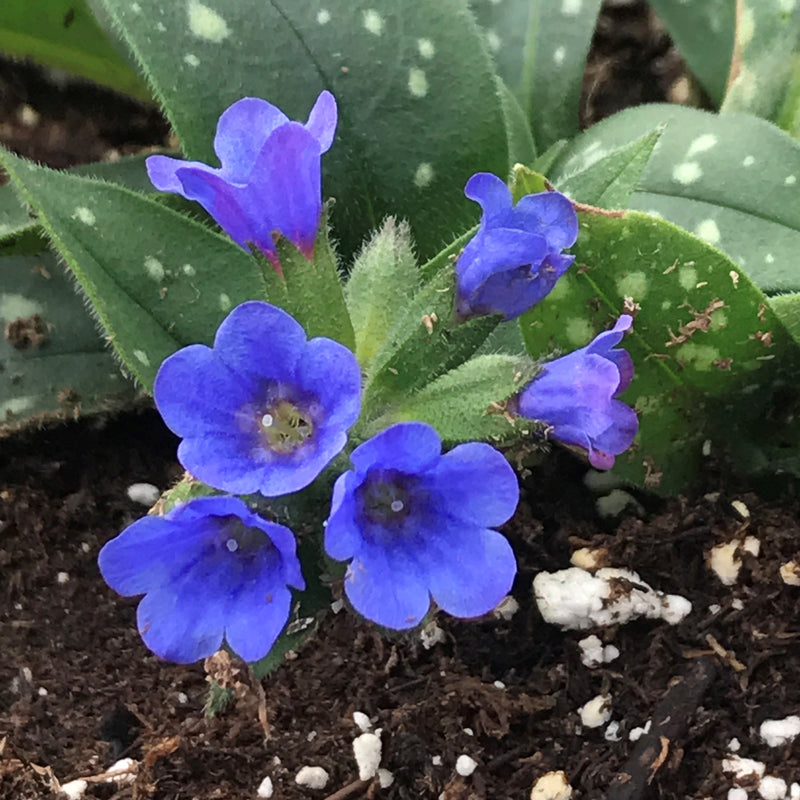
(265, 788)
(312, 777)
(367, 750)
(465, 765)
(143, 493)
(552, 786)
(777, 732)
(575, 599)
(596, 712)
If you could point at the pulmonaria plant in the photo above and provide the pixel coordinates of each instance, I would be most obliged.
(266, 409)
(416, 524)
(515, 258)
(269, 183)
(210, 569)
(263, 410)
(576, 397)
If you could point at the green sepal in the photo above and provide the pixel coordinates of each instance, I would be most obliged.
(314, 289)
(467, 402)
(383, 280)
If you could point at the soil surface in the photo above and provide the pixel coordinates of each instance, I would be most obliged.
(78, 690)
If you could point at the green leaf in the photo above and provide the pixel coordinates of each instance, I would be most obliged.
(703, 32)
(540, 47)
(705, 366)
(18, 228)
(383, 279)
(732, 179)
(61, 369)
(767, 36)
(425, 342)
(787, 309)
(153, 293)
(466, 403)
(521, 147)
(544, 163)
(314, 290)
(610, 181)
(418, 106)
(65, 35)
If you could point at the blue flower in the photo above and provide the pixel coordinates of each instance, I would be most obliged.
(576, 396)
(515, 258)
(269, 181)
(417, 524)
(264, 410)
(209, 569)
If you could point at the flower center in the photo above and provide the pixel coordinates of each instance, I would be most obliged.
(236, 537)
(284, 427)
(385, 500)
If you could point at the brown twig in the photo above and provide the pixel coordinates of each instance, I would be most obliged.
(669, 722)
(352, 789)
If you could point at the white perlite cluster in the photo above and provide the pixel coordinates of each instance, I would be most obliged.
(778, 732)
(575, 599)
(593, 653)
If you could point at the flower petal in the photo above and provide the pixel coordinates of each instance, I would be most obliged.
(162, 171)
(147, 554)
(230, 463)
(603, 342)
(287, 172)
(329, 371)
(497, 250)
(619, 435)
(258, 615)
(180, 621)
(388, 588)
(549, 214)
(411, 447)
(228, 204)
(241, 132)
(572, 390)
(321, 122)
(343, 535)
(474, 569)
(259, 339)
(475, 483)
(197, 394)
(491, 193)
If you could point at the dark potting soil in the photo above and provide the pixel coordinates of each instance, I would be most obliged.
(78, 690)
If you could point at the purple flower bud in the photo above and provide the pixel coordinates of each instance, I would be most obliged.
(269, 183)
(417, 524)
(208, 569)
(265, 410)
(576, 397)
(515, 258)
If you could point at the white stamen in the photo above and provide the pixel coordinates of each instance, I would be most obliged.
(397, 505)
(232, 545)
(267, 420)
